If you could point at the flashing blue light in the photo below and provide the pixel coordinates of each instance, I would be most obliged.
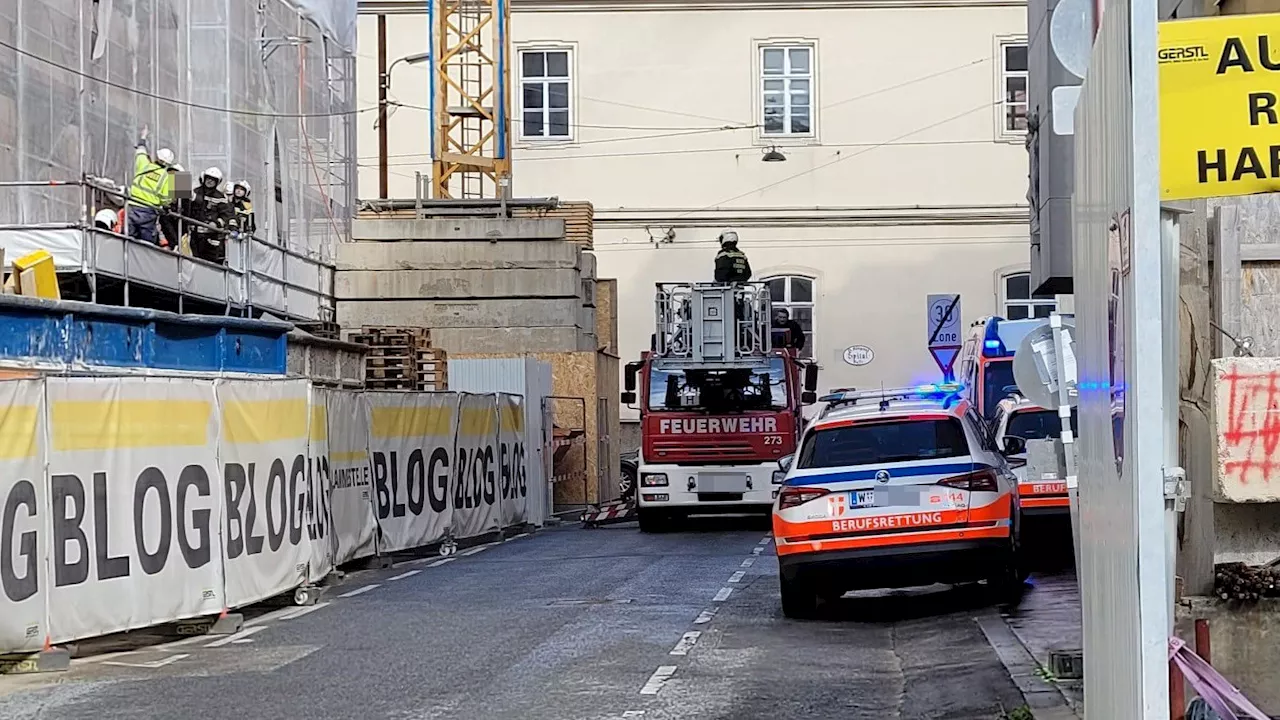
(992, 344)
(939, 388)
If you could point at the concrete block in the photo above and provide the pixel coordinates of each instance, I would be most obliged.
(1243, 644)
(453, 229)
(589, 265)
(486, 341)
(458, 255)
(1246, 429)
(51, 660)
(433, 284)
(472, 313)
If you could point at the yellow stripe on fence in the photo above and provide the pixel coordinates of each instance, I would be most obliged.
(512, 418)
(401, 422)
(253, 422)
(478, 421)
(113, 424)
(18, 426)
(319, 423)
(349, 456)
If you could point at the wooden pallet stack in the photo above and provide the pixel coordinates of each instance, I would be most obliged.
(401, 358)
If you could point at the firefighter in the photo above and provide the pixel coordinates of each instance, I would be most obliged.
(209, 205)
(245, 221)
(731, 263)
(795, 333)
(150, 191)
(106, 220)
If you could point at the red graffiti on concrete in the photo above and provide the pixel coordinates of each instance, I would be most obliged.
(1252, 434)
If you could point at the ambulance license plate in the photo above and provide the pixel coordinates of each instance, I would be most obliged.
(862, 498)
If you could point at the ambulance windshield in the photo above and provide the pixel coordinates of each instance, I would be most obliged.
(873, 443)
(719, 391)
(997, 384)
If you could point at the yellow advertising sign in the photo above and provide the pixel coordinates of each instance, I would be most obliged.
(1219, 116)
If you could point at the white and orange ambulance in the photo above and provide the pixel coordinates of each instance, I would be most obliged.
(1017, 417)
(895, 488)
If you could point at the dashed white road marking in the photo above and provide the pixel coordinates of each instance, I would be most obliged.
(281, 614)
(767, 539)
(705, 616)
(442, 561)
(360, 590)
(404, 575)
(757, 550)
(516, 537)
(737, 577)
(658, 679)
(476, 549)
(686, 643)
(241, 641)
(237, 636)
(154, 664)
(723, 595)
(305, 610)
(749, 562)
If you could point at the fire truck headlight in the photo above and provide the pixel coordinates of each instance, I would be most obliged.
(778, 476)
(653, 480)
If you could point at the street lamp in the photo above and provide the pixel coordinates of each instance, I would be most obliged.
(773, 155)
(384, 86)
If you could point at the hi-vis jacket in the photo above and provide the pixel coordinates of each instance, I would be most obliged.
(152, 184)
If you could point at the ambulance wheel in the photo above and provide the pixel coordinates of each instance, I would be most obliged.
(799, 600)
(1010, 583)
(653, 521)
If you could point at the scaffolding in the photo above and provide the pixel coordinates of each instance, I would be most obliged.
(253, 87)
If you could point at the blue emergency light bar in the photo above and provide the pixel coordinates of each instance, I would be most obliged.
(930, 390)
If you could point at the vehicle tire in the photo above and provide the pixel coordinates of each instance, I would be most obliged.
(799, 600)
(653, 521)
(1010, 584)
(627, 485)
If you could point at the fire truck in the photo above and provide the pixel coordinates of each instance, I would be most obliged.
(720, 398)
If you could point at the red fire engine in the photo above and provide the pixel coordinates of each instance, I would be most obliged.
(719, 405)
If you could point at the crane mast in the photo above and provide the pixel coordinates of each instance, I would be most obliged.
(470, 99)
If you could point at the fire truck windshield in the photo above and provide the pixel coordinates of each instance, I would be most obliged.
(997, 384)
(719, 391)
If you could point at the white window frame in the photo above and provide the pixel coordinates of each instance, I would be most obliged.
(786, 45)
(1004, 302)
(810, 348)
(571, 68)
(1002, 88)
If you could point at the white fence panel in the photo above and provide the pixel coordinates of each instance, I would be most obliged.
(355, 527)
(411, 436)
(475, 467)
(263, 450)
(134, 504)
(24, 517)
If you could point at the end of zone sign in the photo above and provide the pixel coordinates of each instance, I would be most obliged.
(943, 331)
(1219, 115)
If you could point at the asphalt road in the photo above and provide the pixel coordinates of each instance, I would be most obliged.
(564, 624)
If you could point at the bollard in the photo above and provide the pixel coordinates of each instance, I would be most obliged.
(1203, 645)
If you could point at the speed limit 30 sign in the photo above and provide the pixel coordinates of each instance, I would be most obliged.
(943, 331)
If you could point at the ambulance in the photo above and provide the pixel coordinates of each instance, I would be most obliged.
(895, 488)
(1017, 417)
(986, 360)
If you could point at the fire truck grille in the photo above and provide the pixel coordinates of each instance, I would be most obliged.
(703, 451)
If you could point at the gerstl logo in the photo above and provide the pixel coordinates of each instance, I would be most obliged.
(1188, 53)
(882, 476)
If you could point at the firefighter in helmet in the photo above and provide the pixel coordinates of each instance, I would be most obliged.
(731, 263)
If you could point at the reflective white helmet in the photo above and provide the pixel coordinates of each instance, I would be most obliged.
(105, 218)
(728, 237)
(212, 172)
(165, 156)
(242, 184)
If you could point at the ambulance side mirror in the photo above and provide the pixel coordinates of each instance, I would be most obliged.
(1013, 445)
(784, 463)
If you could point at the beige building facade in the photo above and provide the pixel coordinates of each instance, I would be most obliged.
(902, 126)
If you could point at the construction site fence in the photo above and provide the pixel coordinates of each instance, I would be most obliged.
(127, 502)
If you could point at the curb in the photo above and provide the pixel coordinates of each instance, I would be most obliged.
(1045, 700)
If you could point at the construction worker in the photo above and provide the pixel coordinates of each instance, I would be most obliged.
(245, 222)
(150, 191)
(210, 207)
(794, 332)
(731, 263)
(106, 220)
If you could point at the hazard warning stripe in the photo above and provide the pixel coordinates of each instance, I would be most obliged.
(1046, 502)
(788, 547)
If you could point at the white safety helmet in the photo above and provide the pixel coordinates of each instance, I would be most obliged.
(165, 156)
(242, 184)
(105, 218)
(212, 172)
(728, 237)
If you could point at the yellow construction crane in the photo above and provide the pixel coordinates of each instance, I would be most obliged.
(470, 98)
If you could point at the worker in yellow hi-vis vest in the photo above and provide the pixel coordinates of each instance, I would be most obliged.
(150, 191)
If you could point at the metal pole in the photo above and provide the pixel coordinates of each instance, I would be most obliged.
(383, 81)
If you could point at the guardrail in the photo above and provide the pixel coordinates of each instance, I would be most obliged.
(258, 275)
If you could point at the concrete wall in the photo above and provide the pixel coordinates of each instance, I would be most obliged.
(481, 285)
(1245, 645)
